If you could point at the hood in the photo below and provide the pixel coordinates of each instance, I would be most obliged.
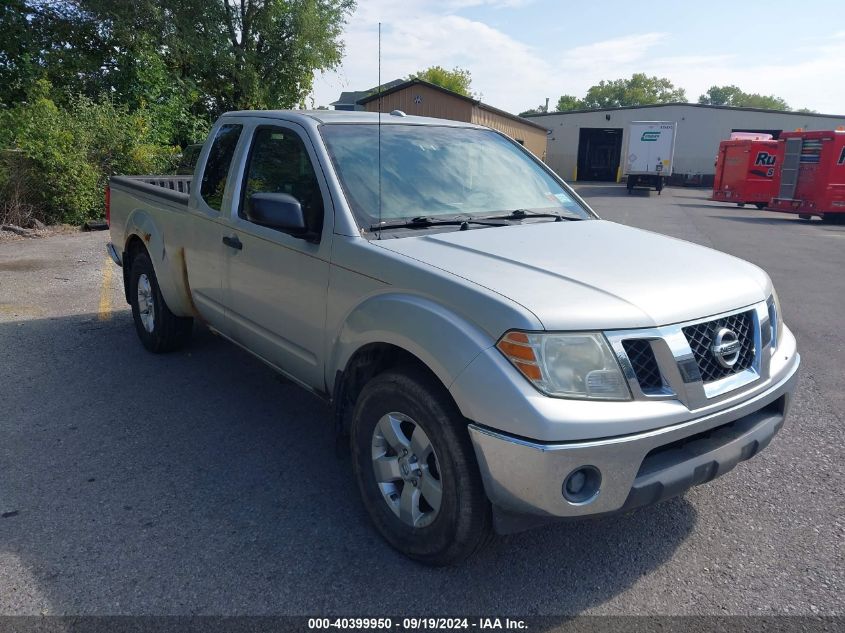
(593, 274)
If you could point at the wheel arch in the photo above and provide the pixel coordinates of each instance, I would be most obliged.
(143, 235)
(134, 245)
(392, 328)
(367, 362)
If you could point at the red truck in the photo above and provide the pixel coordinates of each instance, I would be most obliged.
(812, 177)
(747, 171)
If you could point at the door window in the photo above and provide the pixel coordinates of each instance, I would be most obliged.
(279, 163)
(217, 165)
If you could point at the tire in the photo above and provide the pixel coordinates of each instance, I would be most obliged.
(760, 205)
(740, 204)
(391, 410)
(158, 328)
(834, 218)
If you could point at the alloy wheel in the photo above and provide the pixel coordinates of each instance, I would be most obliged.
(406, 470)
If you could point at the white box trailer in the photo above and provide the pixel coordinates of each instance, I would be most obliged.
(649, 152)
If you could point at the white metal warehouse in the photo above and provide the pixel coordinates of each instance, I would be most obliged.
(588, 144)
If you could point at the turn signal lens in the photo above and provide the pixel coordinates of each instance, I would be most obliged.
(517, 349)
(775, 322)
(566, 365)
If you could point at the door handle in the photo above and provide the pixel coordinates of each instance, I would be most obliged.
(233, 242)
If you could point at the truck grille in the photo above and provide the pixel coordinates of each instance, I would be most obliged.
(700, 338)
(644, 364)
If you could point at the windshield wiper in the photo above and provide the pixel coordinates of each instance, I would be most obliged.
(519, 214)
(424, 221)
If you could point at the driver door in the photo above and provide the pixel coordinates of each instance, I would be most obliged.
(276, 283)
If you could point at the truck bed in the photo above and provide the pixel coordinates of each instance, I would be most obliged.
(174, 188)
(156, 208)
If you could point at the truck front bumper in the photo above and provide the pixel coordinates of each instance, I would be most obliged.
(524, 477)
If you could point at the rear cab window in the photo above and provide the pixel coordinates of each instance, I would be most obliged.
(217, 165)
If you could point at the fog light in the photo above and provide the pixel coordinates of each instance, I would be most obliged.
(582, 484)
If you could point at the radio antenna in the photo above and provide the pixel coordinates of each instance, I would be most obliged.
(379, 129)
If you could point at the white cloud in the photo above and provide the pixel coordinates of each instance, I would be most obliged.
(514, 75)
(417, 34)
(622, 50)
(811, 80)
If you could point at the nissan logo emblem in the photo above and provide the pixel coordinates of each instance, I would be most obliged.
(726, 347)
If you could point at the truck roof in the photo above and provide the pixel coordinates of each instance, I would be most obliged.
(347, 116)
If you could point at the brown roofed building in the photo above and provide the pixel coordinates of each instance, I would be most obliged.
(421, 98)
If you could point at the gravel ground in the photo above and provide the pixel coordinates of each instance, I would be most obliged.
(201, 483)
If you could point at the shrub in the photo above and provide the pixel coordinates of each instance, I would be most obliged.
(71, 151)
(17, 186)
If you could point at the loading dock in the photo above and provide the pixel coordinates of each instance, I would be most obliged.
(700, 129)
(599, 153)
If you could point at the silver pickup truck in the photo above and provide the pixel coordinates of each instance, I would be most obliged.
(495, 354)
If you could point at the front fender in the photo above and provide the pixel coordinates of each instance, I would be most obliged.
(443, 340)
(168, 261)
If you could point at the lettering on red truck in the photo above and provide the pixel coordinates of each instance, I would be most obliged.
(764, 158)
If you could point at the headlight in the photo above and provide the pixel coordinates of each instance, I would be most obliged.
(566, 365)
(775, 322)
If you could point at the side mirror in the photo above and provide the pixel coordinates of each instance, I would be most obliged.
(277, 211)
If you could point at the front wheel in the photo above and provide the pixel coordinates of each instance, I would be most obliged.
(158, 328)
(416, 469)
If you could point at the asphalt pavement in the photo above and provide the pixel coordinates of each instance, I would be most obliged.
(201, 483)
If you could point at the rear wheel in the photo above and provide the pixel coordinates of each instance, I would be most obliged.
(416, 469)
(158, 328)
(760, 205)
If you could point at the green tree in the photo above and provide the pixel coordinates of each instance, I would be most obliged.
(51, 40)
(733, 96)
(457, 80)
(217, 55)
(568, 102)
(238, 54)
(72, 150)
(18, 52)
(91, 88)
(640, 89)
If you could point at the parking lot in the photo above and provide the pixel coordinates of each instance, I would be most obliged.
(201, 483)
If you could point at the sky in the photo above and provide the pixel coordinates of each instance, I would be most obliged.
(520, 52)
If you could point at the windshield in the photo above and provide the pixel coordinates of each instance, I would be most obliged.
(434, 171)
